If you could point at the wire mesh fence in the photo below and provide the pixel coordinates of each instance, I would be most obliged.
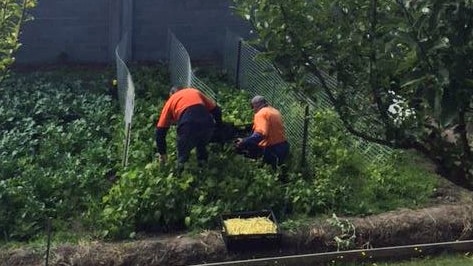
(230, 56)
(259, 77)
(121, 57)
(371, 150)
(180, 67)
(251, 72)
(256, 74)
(126, 92)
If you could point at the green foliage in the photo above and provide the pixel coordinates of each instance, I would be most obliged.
(402, 68)
(22, 213)
(13, 16)
(335, 172)
(157, 199)
(391, 186)
(152, 197)
(57, 149)
(152, 82)
(342, 181)
(148, 196)
(346, 239)
(61, 147)
(234, 107)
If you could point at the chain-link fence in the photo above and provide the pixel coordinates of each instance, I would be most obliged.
(259, 77)
(181, 69)
(276, 92)
(372, 151)
(252, 72)
(126, 92)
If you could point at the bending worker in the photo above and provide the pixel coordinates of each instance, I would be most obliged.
(268, 134)
(195, 115)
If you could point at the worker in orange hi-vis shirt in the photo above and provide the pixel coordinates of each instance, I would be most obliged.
(195, 115)
(268, 138)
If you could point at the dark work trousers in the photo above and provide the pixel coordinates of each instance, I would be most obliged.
(194, 130)
(276, 155)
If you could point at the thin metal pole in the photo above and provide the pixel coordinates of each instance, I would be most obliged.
(374, 254)
(305, 136)
(48, 231)
(127, 145)
(237, 74)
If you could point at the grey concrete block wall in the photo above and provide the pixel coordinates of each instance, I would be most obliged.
(65, 30)
(87, 31)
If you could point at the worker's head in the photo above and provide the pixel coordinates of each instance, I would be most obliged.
(258, 102)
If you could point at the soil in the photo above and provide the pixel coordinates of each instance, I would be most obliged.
(449, 217)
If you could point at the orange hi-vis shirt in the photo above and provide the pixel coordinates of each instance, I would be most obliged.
(268, 122)
(179, 102)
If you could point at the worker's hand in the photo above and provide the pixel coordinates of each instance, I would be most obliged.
(162, 158)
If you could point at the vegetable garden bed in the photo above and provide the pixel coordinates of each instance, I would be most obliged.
(64, 129)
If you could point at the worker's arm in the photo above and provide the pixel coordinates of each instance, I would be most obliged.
(161, 133)
(260, 130)
(252, 140)
(162, 127)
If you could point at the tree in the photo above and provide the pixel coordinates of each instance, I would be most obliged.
(13, 14)
(403, 68)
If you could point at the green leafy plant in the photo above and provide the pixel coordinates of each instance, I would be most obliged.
(14, 15)
(57, 149)
(62, 147)
(346, 239)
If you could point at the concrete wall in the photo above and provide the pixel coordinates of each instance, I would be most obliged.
(87, 31)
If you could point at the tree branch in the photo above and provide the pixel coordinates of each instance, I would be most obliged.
(374, 83)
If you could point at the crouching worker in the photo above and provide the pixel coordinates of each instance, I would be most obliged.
(196, 116)
(268, 138)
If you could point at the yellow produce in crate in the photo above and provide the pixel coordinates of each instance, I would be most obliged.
(249, 226)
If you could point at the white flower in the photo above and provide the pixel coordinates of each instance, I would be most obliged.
(445, 41)
(394, 109)
(399, 110)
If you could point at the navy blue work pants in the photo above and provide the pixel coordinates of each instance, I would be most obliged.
(193, 135)
(276, 155)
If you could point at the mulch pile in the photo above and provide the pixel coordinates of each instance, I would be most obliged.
(442, 223)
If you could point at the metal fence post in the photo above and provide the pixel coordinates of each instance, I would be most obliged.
(48, 231)
(237, 74)
(305, 136)
(126, 145)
